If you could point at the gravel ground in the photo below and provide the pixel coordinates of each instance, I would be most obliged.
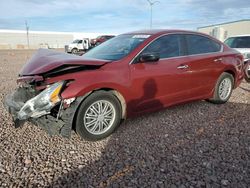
(192, 145)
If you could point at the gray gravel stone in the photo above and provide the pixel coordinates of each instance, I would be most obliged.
(192, 145)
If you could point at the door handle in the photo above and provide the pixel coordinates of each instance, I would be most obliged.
(218, 59)
(182, 67)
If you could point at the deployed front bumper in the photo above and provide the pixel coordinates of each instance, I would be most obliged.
(60, 125)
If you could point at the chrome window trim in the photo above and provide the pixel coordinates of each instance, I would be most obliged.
(221, 50)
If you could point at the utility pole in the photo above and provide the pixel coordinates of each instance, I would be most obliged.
(151, 3)
(27, 32)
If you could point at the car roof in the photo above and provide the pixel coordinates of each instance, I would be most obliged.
(162, 31)
(247, 35)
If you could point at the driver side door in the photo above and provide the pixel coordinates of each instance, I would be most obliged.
(164, 82)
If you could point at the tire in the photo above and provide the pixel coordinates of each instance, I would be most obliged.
(89, 120)
(247, 75)
(247, 80)
(74, 51)
(220, 97)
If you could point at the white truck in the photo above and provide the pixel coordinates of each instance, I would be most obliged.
(77, 46)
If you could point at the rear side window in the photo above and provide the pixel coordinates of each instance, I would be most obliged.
(238, 42)
(197, 44)
(167, 46)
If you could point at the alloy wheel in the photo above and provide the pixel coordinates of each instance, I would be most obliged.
(99, 117)
(225, 88)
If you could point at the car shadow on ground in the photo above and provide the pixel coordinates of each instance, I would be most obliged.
(191, 145)
(245, 89)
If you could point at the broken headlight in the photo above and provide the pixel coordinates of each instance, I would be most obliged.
(42, 103)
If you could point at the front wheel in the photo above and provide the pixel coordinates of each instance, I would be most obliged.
(223, 89)
(74, 51)
(98, 116)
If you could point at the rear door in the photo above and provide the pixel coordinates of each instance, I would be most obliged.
(205, 64)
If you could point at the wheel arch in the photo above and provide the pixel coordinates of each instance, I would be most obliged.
(116, 93)
(74, 49)
(229, 71)
(119, 96)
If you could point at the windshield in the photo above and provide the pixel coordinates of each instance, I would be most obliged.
(238, 42)
(116, 48)
(75, 41)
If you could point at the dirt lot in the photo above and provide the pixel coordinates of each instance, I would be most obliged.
(193, 145)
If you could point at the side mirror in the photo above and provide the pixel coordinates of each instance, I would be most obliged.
(152, 57)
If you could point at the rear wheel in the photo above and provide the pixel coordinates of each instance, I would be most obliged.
(98, 116)
(247, 79)
(247, 73)
(223, 89)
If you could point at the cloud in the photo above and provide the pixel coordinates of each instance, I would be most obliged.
(196, 13)
(118, 15)
(222, 9)
(36, 8)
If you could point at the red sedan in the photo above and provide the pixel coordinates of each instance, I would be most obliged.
(100, 39)
(128, 75)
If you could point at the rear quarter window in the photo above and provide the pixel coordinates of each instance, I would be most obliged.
(197, 44)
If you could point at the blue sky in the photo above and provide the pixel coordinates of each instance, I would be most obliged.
(117, 16)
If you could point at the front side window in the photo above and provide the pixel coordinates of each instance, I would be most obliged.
(117, 47)
(166, 46)
(200, 45)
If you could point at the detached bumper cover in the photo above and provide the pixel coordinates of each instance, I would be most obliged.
(14, 102)
(13, 108)
(53, 126)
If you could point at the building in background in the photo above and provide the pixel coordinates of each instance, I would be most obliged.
(224, 30)
(17, 39)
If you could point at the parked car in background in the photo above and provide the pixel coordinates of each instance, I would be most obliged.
(44, 45)
(132, 74)
(100, 39)
(242, 44)
(78, 45)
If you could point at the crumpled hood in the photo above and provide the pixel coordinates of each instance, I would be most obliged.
(45, 60)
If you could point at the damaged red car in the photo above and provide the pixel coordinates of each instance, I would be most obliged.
(129, 75)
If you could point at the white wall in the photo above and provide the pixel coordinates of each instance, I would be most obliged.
(223, 31)
(17, 39)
